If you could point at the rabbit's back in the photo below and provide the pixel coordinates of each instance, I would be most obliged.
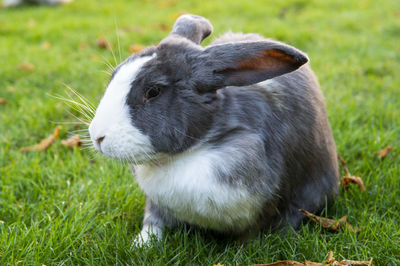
(288, 114)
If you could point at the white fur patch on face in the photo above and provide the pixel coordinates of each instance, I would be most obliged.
(187, 187)
(112, 120)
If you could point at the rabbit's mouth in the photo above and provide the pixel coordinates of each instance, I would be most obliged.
(125, 143)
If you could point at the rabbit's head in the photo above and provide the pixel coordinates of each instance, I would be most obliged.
(163, 99)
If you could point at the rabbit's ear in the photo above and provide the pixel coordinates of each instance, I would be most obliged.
(192, 27)
(245, 63)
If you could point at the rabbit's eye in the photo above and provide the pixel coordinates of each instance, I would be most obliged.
(152, 92)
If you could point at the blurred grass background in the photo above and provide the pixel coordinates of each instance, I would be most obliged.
(72, 207)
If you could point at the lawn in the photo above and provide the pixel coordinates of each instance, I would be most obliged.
(72, 206)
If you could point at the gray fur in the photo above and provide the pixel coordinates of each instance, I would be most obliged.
(278, 133)
(192, 27)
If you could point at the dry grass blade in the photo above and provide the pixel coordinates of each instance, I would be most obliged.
(44, 144)
(74, 141)
(383, 153)
(330, 223)
(348, 178)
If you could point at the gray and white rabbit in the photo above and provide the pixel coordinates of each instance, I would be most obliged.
(232, 137)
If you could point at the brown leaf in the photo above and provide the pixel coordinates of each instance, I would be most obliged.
(136, 48)
(330, 261)
(162, 26)
(46, 45)
(3, 101)
(74, 141)
(44, 144)
(281, 263)
(353, 180)
(383, 153)
(348, 178)
(311, 263)
(27, 66)
(103, 43)
(330, 223)
(355, 262)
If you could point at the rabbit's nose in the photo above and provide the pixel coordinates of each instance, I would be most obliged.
(100, 140)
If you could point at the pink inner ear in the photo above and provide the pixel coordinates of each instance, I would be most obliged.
(266, 64)
(273, 61)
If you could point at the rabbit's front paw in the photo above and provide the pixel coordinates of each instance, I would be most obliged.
(148, 234)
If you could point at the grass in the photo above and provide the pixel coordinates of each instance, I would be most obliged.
(72, 207)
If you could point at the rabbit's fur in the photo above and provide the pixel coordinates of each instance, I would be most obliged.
(233, 137)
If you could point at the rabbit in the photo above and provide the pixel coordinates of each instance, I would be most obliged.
(232, 138)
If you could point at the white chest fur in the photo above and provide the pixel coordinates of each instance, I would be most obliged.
(187, 186)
